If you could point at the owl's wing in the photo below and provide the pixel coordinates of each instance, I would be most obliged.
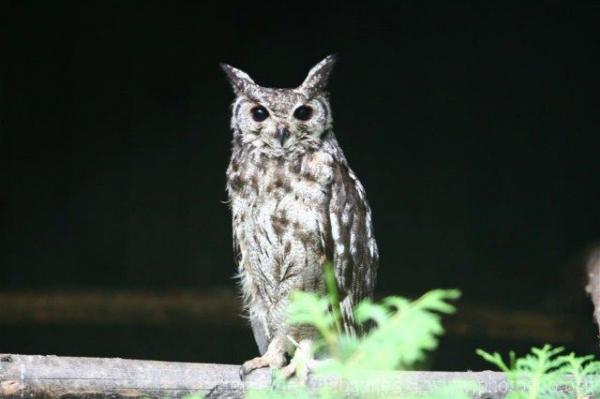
(352, 245)
(260, 335)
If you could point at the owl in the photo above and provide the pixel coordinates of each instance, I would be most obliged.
(296, 205)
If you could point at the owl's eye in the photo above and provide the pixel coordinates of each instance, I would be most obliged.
(259, 113)
(303, 112)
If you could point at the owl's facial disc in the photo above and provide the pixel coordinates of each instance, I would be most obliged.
(282, 119)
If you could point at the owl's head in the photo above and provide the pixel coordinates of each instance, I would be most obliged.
(281, 120)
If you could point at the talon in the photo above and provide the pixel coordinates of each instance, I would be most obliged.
(247, 368)
(302, 362)
(273, 361)
(288, 371)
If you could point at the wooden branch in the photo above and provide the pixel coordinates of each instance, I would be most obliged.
(60, 377)
(54, 377)
(223, 309)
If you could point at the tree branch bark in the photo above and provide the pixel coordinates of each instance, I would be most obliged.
(24, 376)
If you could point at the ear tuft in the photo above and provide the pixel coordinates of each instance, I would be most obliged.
(318, 76)
(239, 80)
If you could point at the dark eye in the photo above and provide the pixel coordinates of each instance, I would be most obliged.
(259, 113)
(303, 112)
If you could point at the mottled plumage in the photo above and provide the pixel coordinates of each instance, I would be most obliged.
(295, 204)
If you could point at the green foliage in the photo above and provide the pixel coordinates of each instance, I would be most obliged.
(453, 390)
(583, 375)
(545, 373)
(402, 333)
(193, 396)
(293, 393)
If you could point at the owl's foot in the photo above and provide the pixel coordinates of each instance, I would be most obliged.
(274, 359)
(302, 362)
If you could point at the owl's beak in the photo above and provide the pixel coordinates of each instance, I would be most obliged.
(282, 134)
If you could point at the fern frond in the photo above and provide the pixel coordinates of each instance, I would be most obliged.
(545, 373)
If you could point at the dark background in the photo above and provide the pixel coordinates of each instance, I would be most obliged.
(473, 129)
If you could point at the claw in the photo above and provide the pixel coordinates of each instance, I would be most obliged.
(274, 360)
(302, 362)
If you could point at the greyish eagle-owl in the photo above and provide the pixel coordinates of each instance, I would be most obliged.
(296, 204)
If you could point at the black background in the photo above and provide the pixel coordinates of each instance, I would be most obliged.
(473, 129)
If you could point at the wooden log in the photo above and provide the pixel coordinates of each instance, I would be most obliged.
(58, 377)
(25, 376)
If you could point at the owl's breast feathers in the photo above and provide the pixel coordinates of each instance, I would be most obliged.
(292, 214)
